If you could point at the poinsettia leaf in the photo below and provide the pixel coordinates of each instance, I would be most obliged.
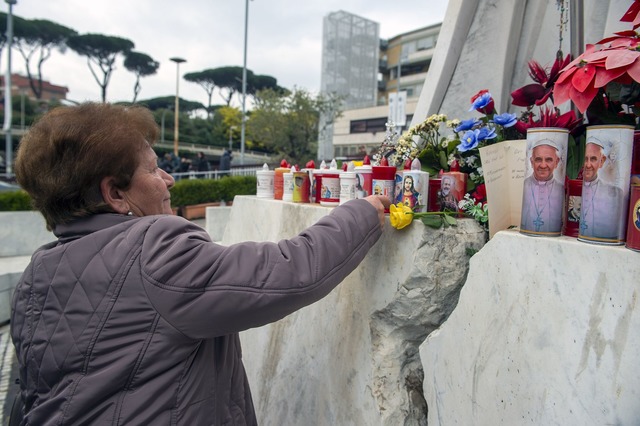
(527, 95)
(543, 100)
(596, 57)
(621, 43)
(555, 69)
(621, 58)
(634, 71)
(605, 76)
(561, 93)
(582, 99)
(434, 221)
(632, 13)
(583, 77)
(565, 75)
(537, 72)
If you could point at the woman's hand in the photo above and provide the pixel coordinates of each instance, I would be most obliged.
(380, 202)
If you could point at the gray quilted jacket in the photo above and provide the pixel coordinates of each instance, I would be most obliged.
(134, 321)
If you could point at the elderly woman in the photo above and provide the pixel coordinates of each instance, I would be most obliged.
(132, 315)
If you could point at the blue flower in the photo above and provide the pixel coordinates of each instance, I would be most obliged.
(505, 120)
(481, 101)
(469, 141)
(486, 133)
(467, 125)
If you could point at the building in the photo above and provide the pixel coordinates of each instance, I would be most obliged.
(20, 86)
(402, 67)
(350, 49)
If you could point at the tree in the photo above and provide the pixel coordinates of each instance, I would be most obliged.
(229, 80)
(262, 82)
(206, 79)
(288, 124)
(35, 39)
(141, 65)
(167, 102)
(17, 21)
(102, 50)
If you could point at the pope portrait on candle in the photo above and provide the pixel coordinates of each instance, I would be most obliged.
(543, 194)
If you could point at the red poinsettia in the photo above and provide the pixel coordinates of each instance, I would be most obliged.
(549, 117)
(613, 59)
(632, 15)
(539, 92)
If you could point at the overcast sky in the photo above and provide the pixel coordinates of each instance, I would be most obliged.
(284, 38)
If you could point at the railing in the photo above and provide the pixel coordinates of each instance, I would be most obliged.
(217, 174)
(213, 174)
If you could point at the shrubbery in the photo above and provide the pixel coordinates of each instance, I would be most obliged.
(184, 193)
(12, 201)
(198, 191)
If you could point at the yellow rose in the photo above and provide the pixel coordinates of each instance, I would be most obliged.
(400, 215)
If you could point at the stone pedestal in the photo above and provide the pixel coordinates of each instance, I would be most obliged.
(352, 358)
(545, 332)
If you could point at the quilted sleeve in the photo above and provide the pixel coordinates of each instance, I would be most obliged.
(207, 290)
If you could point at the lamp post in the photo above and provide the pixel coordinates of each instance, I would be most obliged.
(231, 128)
(176, 130)
(164, 111)
(244, 82)
(7, 92)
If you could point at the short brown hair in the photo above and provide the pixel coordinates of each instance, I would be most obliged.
(65, 155)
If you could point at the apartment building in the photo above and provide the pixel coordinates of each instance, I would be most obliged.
(402, 65)
(20, 86)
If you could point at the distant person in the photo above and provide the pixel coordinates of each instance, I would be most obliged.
(225, 160)
(131, 317)
(201, 164)
(600, 214)
(543, 194)
(166, 163)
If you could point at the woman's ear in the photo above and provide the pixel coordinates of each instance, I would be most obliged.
(113, 196)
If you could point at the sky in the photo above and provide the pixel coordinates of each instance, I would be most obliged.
(284, 39)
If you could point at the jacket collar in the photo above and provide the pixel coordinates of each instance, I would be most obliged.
(87, 225)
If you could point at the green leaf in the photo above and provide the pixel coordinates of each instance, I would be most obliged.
(443, 160)
(450, 220)
(434, 221)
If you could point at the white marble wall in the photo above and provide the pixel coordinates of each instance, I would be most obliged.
(21, 233)
(352, 358)
(545, 333)
(486, 44)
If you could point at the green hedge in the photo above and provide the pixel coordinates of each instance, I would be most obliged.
(197, 191)
(12, 201)
(184, 193)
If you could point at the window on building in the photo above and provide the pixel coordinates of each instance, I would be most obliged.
(371, 125)
(426, 42)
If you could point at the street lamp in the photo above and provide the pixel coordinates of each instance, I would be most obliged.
(176, 131)
(7, 91)
(244, 82)
(231, 129)
(164, 111)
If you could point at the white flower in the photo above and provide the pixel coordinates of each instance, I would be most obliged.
(471, 160)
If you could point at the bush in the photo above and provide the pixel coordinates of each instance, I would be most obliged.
(185, 192)
(12, 201)
(198, 191)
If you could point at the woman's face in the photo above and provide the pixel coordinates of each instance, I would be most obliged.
(149, 190)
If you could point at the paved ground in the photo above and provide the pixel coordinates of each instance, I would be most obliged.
(9, 370)
(8, 374)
